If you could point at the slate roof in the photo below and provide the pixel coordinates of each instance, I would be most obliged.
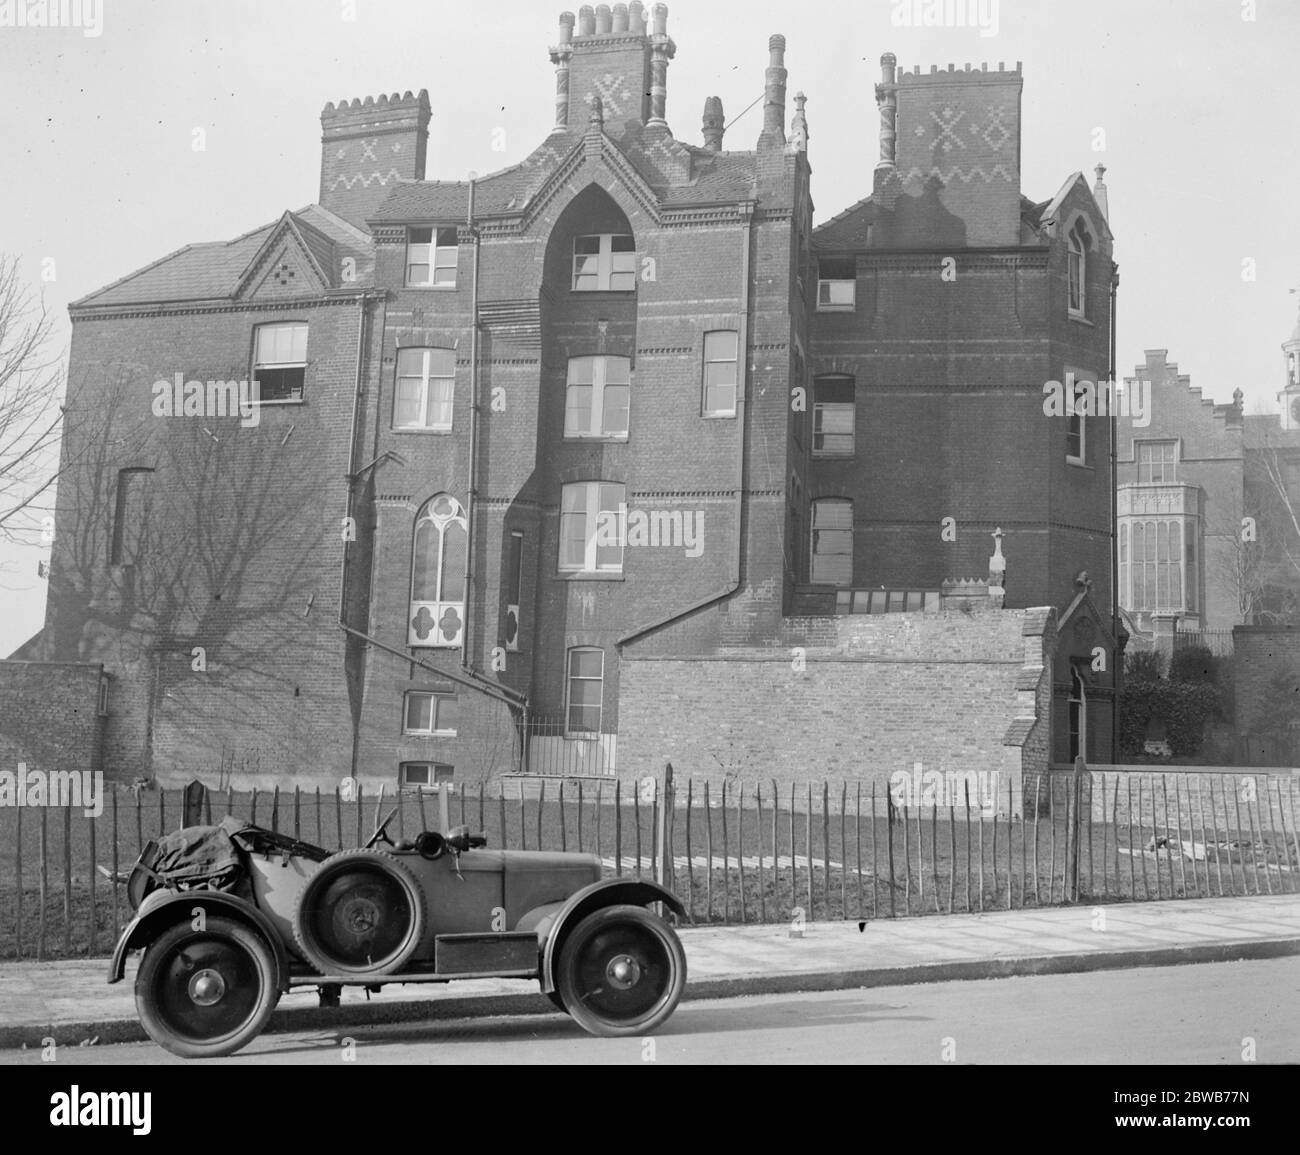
(722, 177)
(213, 270)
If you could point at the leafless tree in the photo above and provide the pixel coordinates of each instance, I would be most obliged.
(31, 386)
(1273, 495)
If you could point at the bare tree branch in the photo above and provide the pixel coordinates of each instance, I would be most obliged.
(31, 384)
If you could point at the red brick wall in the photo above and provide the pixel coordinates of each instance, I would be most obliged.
(241, 552)
(893, 690)
(49, 716)
(1259, 655)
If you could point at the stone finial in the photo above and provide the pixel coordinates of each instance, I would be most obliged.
(1237, 398)
(799, 125)
(997, 571)
(714, 124)
(1099, 191)
(997, 563)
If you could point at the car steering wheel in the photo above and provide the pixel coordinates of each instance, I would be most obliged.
(381, 831)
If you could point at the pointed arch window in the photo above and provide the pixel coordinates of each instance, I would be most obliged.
(1079, 244)
(438, 560)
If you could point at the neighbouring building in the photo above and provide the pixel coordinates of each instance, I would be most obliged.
(607, 457)
(1207, 500)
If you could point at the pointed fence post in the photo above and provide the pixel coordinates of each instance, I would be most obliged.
(192, 803)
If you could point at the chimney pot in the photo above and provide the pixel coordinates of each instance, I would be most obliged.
(586, 20)
(636, 17)
(603, 20)
(566, 27)
(774, 94)
(714, 123)
(620, 18)
(661, 19)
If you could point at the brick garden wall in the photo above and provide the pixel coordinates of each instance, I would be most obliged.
(874, 696)
(48, 716)
(1259, 655)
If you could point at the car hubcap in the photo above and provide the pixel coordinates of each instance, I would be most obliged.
(623, 971)
(207, 987)
(360, 917)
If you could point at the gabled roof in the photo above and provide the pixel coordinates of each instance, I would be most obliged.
(1073, 181)
(714, 178)
(217, 270)
(315, 246)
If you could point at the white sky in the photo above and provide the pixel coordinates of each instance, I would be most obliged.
(1200, 109)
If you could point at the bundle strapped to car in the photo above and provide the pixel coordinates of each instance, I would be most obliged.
(212, 857)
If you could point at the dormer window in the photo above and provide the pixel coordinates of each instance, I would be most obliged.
(837, 284)
(604, 262)
(1079, 244)
(431, 258)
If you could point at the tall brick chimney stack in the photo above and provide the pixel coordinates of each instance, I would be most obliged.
(773, 133)
(957, 146)
(887, 102)
(367, 146)
(614, 55)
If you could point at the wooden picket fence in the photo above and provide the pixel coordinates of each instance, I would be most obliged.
(732, 851)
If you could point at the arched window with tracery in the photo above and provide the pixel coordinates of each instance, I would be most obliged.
(438, 558)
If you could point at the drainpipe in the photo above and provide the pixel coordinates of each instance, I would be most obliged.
(476, 679)
(1117, 673)
(504, 694)
(746, 209)
(363, 314)
(471, 489)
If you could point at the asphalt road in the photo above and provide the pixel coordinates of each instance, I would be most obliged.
(1192, 1014)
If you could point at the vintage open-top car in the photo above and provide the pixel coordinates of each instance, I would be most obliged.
(230, 917)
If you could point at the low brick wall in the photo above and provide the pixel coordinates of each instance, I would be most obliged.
(1260, 654)
(856, 698)
(48, 716)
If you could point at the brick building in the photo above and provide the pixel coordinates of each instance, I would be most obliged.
(1206, 500)
(604, 457)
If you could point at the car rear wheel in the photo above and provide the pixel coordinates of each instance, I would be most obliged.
(621, 971)
(361, 913)
(206, 993)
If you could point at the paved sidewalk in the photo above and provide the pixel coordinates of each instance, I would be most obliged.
(72, 1002)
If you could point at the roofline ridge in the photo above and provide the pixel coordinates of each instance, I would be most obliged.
(136, 273)
(361, 235)
(844, 212)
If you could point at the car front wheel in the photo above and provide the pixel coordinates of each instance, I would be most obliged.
(206, 993)
(621, 972)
